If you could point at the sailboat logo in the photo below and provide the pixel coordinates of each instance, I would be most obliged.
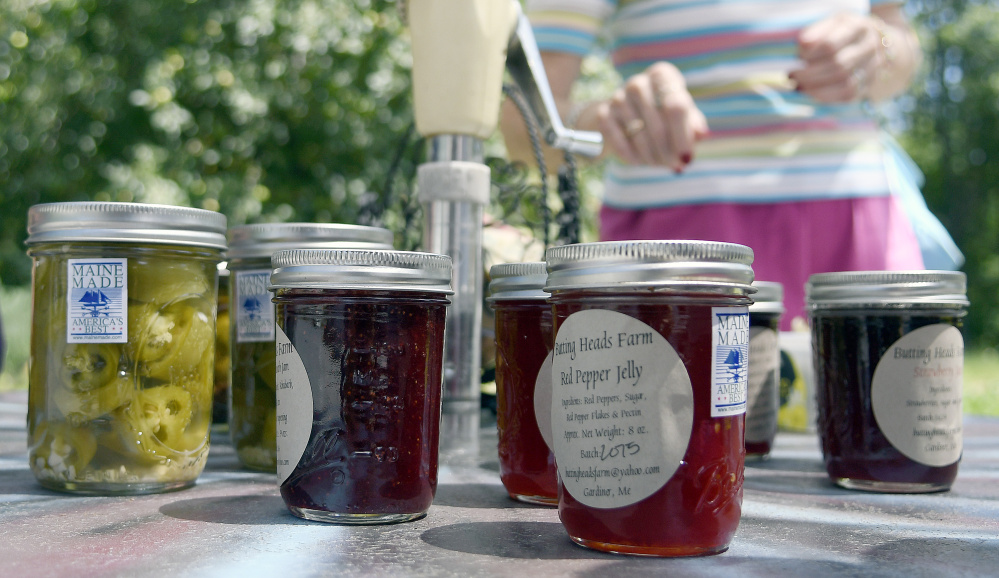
(734, 363)
(252, 307)
(96, 303)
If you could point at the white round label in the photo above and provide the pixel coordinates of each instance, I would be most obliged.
(622, 408)
(916, 394)
(543, 400)
(294, 405)
(763, 400)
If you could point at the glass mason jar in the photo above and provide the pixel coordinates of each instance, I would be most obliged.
(359, 373)
(122, 345)
(649, 382)
(252, 398)
(763, 404)
(223, 365)
(888, 352)
(524, 381)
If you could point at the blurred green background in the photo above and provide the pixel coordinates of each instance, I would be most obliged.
(300, 110)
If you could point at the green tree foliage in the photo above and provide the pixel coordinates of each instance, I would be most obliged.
(299, 109)
(261, 109)
(953, 123)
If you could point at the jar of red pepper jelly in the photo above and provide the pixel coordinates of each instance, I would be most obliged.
(359, 360)
(888, 352)
(523, 381)
(763, 403)
(649, 383)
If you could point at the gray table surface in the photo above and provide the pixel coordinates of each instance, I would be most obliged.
(234, 523)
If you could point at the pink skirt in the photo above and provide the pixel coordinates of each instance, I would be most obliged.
(791, 241)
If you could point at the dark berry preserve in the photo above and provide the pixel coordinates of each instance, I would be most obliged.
(358, 376)
(888, 354)
(252, 421)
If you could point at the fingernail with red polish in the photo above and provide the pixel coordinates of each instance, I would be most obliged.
(686, 158)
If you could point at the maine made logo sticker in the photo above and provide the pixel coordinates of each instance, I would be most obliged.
(96, 299)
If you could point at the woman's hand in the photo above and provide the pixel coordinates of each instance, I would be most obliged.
(652, 119)
(842, 57)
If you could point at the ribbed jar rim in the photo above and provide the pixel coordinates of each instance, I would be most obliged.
(769, 297)
(886, 288)
(686, 265)
(261, 240)
(508, 281)
(115, 222)
(361, 269)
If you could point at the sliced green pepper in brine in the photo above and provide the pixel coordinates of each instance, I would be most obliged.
(79, 407)
(87, 366)
(170, 341)
(63, 448)
(164, 281)
(155, 424)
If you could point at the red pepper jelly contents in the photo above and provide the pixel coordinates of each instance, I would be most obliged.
(650, 368)
(372, 359)
(523, 342)
(888, 353)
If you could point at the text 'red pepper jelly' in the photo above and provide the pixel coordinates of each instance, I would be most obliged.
(523, 381)
(763, 404)
(649, 383)
(359, 360)
(251, 399)
(888, 352)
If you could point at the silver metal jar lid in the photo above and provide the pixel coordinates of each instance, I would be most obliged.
(264, 239)
(769, 297)
(886, 288)
(517, 281)
(125, 222)
(697, 265)
(361, 269)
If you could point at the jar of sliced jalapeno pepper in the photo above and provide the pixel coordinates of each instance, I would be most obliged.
(763, 403)
(359, 367)
(524, 381)
(251, 410)
(122, 344)
(649, 380)
(888, 352)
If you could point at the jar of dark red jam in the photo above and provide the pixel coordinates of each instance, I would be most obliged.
(523, 381)
(888, 352)
(360, 345)
(251, 403)
(763, 403)
(649, 383)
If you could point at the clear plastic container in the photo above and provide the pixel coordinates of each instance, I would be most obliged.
(360, 355)
(124, 299)
(523, 381)
(888, 352)
(649, 380)
(251, 339)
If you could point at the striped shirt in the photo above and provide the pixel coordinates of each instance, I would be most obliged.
(768, 143)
